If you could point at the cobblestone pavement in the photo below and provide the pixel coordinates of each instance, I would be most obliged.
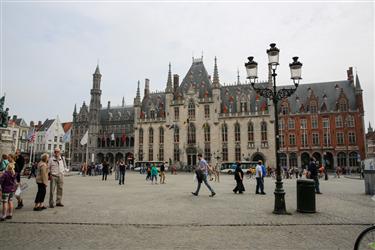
(104, 215)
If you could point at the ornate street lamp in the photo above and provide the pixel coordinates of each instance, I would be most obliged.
(275, 95)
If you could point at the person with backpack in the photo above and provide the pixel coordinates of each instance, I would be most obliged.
(202, 171)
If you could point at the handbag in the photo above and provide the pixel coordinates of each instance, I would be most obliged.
(18, 191)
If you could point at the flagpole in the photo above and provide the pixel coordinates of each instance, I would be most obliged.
(87, 153)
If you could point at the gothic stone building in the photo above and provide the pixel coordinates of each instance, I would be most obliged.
(324, 120)
(200, 115)
(110, 129)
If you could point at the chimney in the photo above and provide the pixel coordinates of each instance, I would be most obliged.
(147, 87)
(32, 124)
(109, 105)
(349, 72)
(176, 81)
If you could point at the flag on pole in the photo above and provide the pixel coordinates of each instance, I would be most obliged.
(85, 138)
(31, 136)
(66, 137)
(112, 136)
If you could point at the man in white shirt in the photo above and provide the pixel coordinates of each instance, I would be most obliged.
(56, 165)
(258, 177)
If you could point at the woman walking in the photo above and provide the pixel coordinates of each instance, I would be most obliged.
(42, 182)
(238, 176)
(105, 170)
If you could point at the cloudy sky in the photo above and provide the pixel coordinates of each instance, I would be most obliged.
(49, 50)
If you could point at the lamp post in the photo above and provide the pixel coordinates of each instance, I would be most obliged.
(275, 95)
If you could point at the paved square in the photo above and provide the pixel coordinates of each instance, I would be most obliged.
(103, 215)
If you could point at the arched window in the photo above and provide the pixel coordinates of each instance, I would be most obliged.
(339, 121)
(191, 134)
(140, 136)
(293, 160)
(263, 131)
(250, 132)
(161, 135)
(207, 152)
(350, 120)
(341, 159)
(237, 153)
(206, 129)
(176, 134)
(283, 160)
(191, 110)
(150, 135)
(152, 114)
(99, 142)
(353, 159)
(237, 132)
(224, 132)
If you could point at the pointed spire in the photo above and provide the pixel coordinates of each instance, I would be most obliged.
(123, 101)
(238, 77)
(97, 71)
(75, 110)
(357, 83)
(215, 80)
(169, 81)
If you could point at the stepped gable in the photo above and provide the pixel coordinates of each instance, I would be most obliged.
(116, 113)
(156, 102)
(197, 79)
(232, 94)
(332, 90)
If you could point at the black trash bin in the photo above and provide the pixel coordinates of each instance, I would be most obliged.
(306, 196)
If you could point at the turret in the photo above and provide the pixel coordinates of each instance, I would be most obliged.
(147, 88)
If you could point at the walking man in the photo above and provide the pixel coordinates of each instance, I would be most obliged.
(259, 178)
(313, 174)
(202, 171)
(20, 163)
(122, 169)
(57, 166)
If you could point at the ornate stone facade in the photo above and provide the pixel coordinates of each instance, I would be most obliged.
(200, 115)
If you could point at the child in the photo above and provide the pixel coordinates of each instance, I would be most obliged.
(8, 184)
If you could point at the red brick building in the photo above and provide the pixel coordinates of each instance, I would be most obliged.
(370, 142)
(326, 121)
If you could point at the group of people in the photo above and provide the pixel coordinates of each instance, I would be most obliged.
(49, 171)
(153, 172)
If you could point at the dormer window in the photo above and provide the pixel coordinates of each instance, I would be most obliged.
(284, 109)
(343, 105)
(313, 107)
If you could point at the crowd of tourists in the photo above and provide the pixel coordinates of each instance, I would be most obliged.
(49, 171)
